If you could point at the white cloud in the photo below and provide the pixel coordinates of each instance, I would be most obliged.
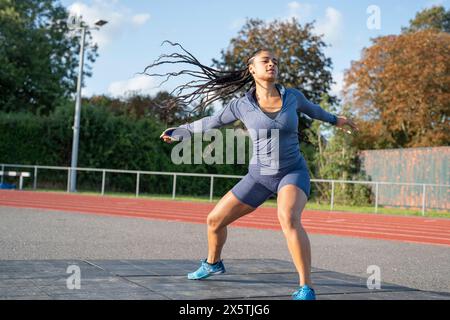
(119, 17)
(336, 88)
(140, 19)
(301, 11)
(86, 92)
(141, 84)
(331, 26)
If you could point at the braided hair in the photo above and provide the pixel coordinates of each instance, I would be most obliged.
(209, 84)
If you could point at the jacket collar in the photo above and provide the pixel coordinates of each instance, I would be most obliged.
(249, 93)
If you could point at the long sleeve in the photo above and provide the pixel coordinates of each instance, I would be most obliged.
(313, 110)
(228, 114)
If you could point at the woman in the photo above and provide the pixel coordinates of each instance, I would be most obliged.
(266, 106)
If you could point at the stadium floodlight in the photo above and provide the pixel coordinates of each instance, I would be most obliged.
(101, 23)
(75, 23)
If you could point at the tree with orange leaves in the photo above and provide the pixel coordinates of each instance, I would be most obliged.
(400, 91)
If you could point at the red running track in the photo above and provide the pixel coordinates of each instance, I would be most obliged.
(399, 228)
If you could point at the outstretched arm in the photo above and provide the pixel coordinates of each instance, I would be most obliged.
(316, 112)
(227, 115)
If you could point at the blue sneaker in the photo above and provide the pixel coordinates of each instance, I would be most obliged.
(207, 270)
(304, 293)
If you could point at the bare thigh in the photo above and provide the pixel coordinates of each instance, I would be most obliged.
(291, 201)
(227, 210)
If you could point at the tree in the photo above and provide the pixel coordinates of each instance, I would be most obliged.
(38, 58)
(338, 158)
(303, 64)
(400, 89)
(333, 155)
(433, 18)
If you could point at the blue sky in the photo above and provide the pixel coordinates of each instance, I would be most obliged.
(132, 38)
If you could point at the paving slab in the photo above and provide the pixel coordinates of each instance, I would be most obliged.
(265, 279)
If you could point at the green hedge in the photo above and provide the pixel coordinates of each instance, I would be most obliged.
(122, 142)
(106, 141)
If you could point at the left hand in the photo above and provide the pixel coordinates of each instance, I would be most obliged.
(342, 121)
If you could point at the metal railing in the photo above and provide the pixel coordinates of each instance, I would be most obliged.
(21, 175)
(212, 176)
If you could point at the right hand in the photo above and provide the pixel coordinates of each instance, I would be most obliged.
(342, 121)
(166, 136)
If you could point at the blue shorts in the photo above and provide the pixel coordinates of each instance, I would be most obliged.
(253, 189)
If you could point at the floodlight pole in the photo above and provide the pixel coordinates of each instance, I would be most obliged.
(76, 125)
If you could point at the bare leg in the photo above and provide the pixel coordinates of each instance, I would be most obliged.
(227, 210)
(291, 202)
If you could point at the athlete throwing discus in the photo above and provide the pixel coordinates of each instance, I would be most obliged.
(267, 107)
